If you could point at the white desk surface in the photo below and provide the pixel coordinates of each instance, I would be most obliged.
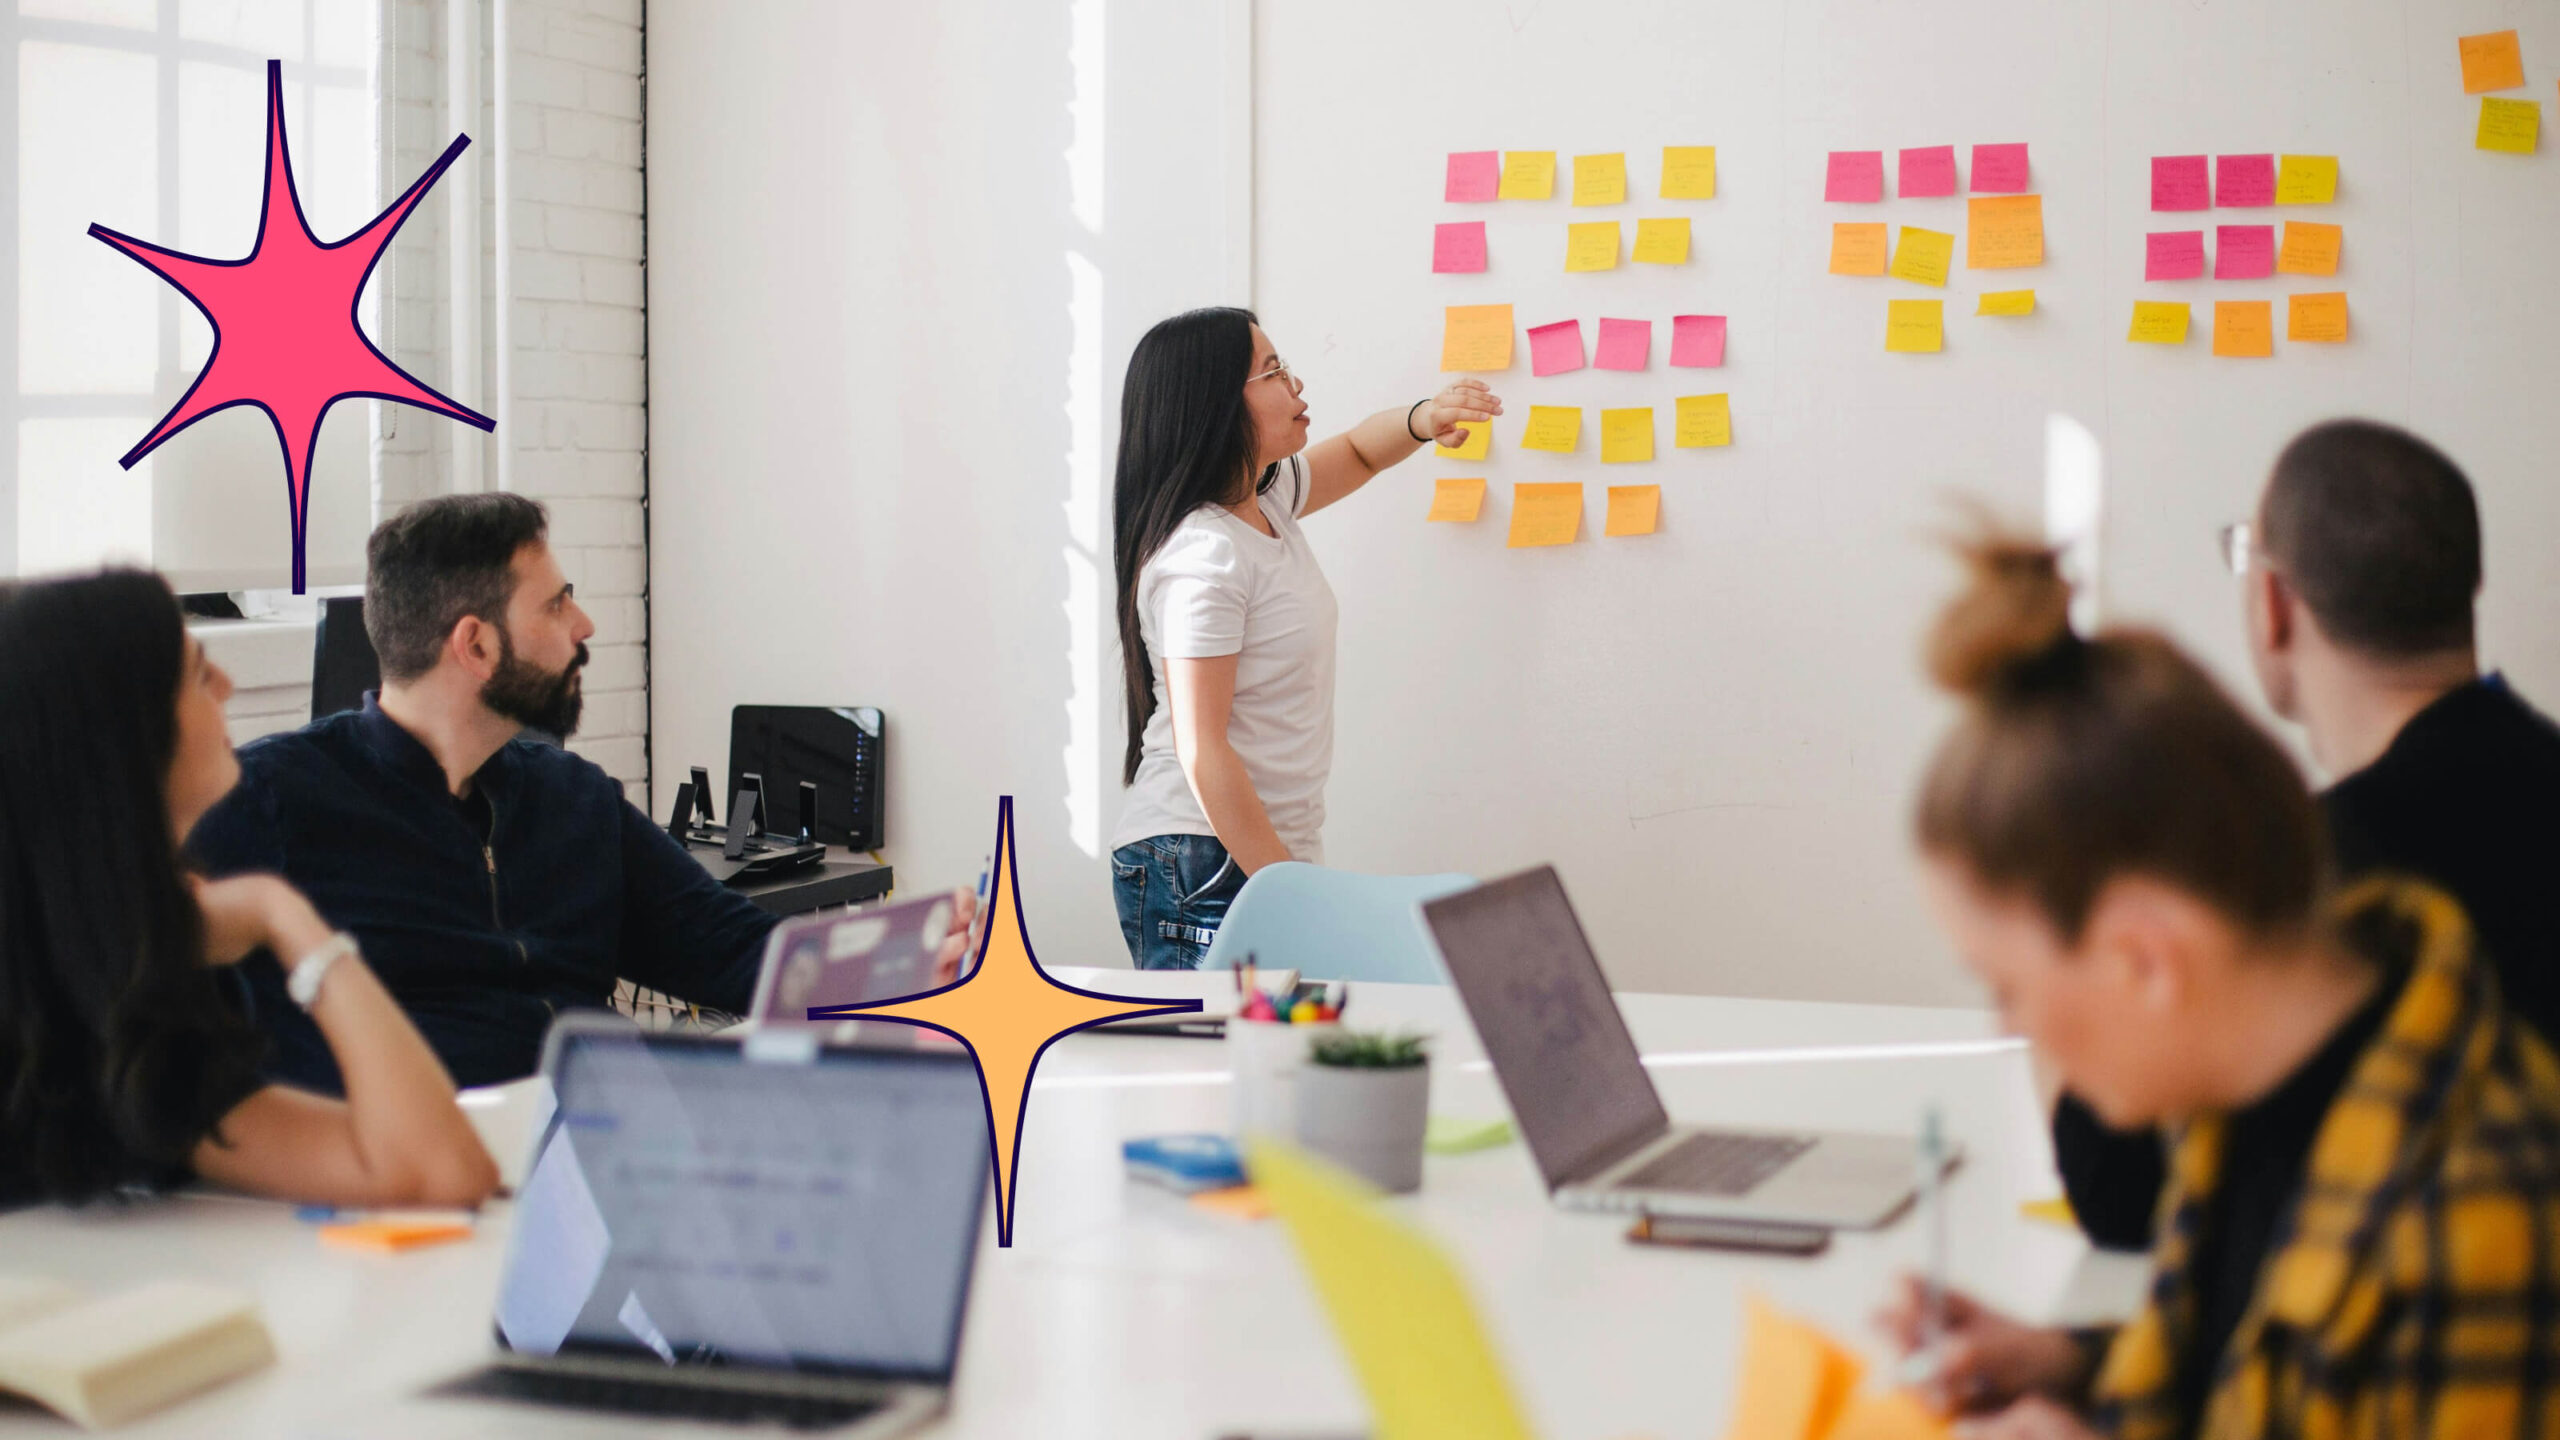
(1123, 1311)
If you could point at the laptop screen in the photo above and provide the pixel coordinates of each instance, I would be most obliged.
(1518, 958)
(704, 1208)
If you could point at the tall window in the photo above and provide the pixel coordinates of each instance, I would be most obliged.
(148, 116)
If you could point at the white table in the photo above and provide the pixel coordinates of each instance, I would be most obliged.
(1123, 1311)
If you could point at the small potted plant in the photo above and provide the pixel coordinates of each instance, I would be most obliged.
(1364, 1100)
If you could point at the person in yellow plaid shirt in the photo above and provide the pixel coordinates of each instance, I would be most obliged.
(2361, 1233)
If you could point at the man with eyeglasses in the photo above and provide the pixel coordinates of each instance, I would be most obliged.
(2359, 571)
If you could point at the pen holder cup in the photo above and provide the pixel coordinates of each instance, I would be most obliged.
(1267, 1057)
(1368, 1121)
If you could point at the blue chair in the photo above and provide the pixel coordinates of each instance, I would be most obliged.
(1334, 924)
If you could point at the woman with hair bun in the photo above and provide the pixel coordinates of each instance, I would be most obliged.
(2361, 1235)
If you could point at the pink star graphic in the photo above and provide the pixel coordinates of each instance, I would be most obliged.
(285, 334)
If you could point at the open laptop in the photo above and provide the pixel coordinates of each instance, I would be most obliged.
(850, 958)
(706, 1235)
(1579, 1090)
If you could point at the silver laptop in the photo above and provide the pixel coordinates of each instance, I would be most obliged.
(814, 962)
(710, 1235)
(1579, 1089)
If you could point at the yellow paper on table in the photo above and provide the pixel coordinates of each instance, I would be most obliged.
(1923, 255)
(2159, 322)
(1457, 501)
(1857, 248)
(1633, 509)
(2307, 180)
(2244, 329)
(2320, 317)
(2309, 249)
(1662, 242)
(2006, 302)
(2004, 232)
(1477, 445)
(1476, 337)
(2491, 62)
(1888, 1415)
(1400, 1309)
(1527, 175)
(1794, 1381)
(1553, 427)
(1545, 514)
(1702, 422)
(1915, 327)
(1688, 172)
(2051, 1210)
(2512, 126)
(1591, 245)
(1600, 179)
(1626, 435)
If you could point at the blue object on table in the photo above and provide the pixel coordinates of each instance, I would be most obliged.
(1334, 924)
(1185, 1164)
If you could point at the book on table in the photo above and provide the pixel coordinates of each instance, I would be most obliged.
(101, 1362)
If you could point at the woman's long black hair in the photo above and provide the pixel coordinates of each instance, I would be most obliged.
(1185, 437)
(118, 1052)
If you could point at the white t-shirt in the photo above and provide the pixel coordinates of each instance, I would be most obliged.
(1220, 587)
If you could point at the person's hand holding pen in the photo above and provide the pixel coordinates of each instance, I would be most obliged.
(1987, 1362)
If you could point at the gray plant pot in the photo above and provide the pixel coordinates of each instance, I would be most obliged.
(1368, 1121)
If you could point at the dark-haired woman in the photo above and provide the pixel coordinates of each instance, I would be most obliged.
(127, 1056)
(1226, 622)
(2363, 1217)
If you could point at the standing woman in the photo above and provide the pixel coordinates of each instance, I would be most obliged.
(1226, 623)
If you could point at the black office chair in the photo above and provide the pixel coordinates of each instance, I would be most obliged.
(343, 665)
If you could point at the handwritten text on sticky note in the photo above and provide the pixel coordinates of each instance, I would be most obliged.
(1599, 179)
(1528, 174)
(2244, 181)
(1556, 428)
(2173, 255)
(1915, 327)
(2511, 126)
(1555, 349)
(1457, 501)
(1697, 341)
(1545, 514)
(1476, 337)
(2245, 329)
(2178, 183)
(2492, 62)
(1457, 248)
(2306, 179)
(1927, 172)
(1923, 255)
(1633, 510)
(2309, 249)
(1591, 245)
(1855, 177)
(1625, 344)
(2244, 252)
(1626, 436)
(2159, 322)
(1473, 175)
(1999, 169)
(1858, 248)
(1662, 242)
(1702, 421)
(2004, 232)
(2006, 302)
(2320, 318)
(1688, 172)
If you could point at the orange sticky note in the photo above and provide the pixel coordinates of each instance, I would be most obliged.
(1476, 337)
(1477, 445)
(2319, 317)
(1888, 1415)
(1545, 514)
(1239, 1202)
(1702, 422)
(1858, 248)
(1794, 1381)
(1456, 501)
(2004, 232)
(2309, 249)
(2159, 322)
(1633, 509)
(2492, 62)
(2245, 329)
(390, 1237)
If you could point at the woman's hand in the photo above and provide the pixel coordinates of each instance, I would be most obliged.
(252, 912)
(1986, 1360)
(1447, 416)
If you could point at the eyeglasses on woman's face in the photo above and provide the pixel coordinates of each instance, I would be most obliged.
(1280, 368)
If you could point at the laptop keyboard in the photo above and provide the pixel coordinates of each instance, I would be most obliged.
(1716, 1164)
(660, 1399)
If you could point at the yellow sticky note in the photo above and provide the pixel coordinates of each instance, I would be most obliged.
(1626, 435)
(1857, 248)
(2307, 180)
(2004, 232)
(2159, 322)
(1923, 255)
(1702, 421)
(1688, 172)
(1553, 427)
(1915, 327)
(1476, 337)
(1599, 179)
(2511, 126)
(2492, 62)
(1400, 1309)
(1662, 242)
(2051, 1210)
(1456, 500)
(1794, 1381)
(1633, 509)
(2319, 317)
(2245, 329)
(1527, 175)
(2309, 249)
(1591, 245)
(1545, 514)
(1888, 1415)
(1477, 445)
(2006, 302)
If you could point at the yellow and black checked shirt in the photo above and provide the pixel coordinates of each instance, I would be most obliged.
(2415, 1288)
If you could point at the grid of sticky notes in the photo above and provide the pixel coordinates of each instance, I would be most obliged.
(1487, 336)
(2492, 62)
(2243, 329)
(2003, 220)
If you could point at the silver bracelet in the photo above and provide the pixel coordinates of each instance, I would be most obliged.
(303, 982)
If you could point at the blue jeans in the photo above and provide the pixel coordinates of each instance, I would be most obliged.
(1172, 890)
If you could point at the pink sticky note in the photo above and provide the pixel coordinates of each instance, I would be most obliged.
(1474, 175)
(1926, 172)
(2178, 183)
(1554, 349)
(2244, 180)
(1457, 248)
(1697, 341)
(1857, 177)
(2174, 255)
(1625, 344)
(2244, 252)
(2000, 169)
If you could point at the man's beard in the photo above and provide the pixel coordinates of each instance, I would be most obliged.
(532, 696)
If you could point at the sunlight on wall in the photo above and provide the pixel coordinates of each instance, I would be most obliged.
(1085, 500)
(2075, 511)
